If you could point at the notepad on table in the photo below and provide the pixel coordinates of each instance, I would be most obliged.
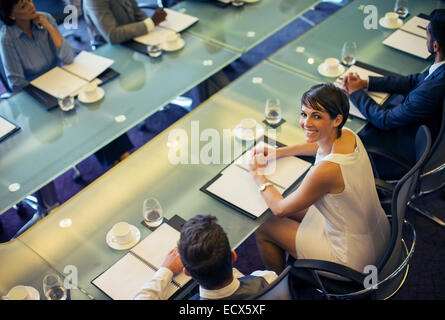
(124, 279)
(174, 22)
(378, 97)
(235, 186)
(410, 38)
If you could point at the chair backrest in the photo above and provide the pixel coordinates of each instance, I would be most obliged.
(277, 290)
(403, 191)
(431, 178)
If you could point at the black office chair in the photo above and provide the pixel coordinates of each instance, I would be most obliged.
(392, 269)
(432, 174)
(279, 289)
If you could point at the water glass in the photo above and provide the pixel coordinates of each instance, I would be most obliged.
(273, 111)
(401, 8)
(349, 53)
(154, 50)
(65, 99)
(152, 212)
(53, 287)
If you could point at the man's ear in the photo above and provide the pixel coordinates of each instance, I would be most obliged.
(436, 46)
(234, 256)
(185, 272)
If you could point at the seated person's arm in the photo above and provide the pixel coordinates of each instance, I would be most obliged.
(305, 149)
(390, 84)
(156, 287)
(106, 23)
(321, 179)
(64, 51)
(417, 106)
(12, 65)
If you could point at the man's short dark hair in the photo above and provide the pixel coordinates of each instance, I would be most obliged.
(328, 97)
(437, 27)
(205, 251)
(6, 7)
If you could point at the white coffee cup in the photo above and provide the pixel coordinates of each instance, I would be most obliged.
(331, 65)
(90, 91)
(18, 293)
(172, 40)
(248, 124)
(122, 233)
(391, 18)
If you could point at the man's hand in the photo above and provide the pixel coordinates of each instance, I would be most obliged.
(173, 262)
(159, 16)
(352, 83)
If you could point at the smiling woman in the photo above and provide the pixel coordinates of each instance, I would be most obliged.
(327, 217)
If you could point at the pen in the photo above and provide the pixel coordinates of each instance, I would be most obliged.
(421, 27)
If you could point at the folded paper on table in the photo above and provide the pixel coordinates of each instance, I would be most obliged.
(124, 279)
(7, 128)
(235, 187)
(417, 26)
(88, 65)
(378, 97)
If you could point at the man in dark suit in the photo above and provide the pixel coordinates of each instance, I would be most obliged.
(393, 129)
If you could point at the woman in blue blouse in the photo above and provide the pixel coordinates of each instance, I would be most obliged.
(30, 45)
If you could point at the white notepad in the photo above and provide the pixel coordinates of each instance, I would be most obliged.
(236, 185)
(6, 128)
(124, 279)
(408, 42)
(174, 22)
(378, 97)
(417, 26)
(69, 79)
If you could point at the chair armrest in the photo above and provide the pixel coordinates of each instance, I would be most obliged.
(383, 185)
(335, 268)
(390, 156)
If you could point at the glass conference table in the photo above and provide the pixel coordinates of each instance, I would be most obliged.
(22, 266)
(241, 28)
(326, 39)
(80, 225)
(50, 143)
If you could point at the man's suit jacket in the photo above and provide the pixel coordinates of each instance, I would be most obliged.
(115, 21)
(422, 104)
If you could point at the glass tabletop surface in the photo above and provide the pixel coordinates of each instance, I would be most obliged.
(83, 222)
(241, 28)
(326, 40)
(49, 143)
(21, 266)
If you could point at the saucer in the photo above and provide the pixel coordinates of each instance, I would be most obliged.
(383, 23)
(339, 72)
(34, 293)
(179, 45)
(239, 134)
(251, 1)
(99, 95)
(113, 244)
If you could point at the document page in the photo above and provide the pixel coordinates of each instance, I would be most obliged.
(88, 65)
(236, 186)
(155, 247)
(5, 127)
(157, 36)
(417, 26)
(125, 278)
(408, 42)
(177, 21)
(58, 82)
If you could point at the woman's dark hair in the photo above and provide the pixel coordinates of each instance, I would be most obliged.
(6, 7)
(437, 26)
(328, 97)
(205, 251)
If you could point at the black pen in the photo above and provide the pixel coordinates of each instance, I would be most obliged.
(421, 27)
